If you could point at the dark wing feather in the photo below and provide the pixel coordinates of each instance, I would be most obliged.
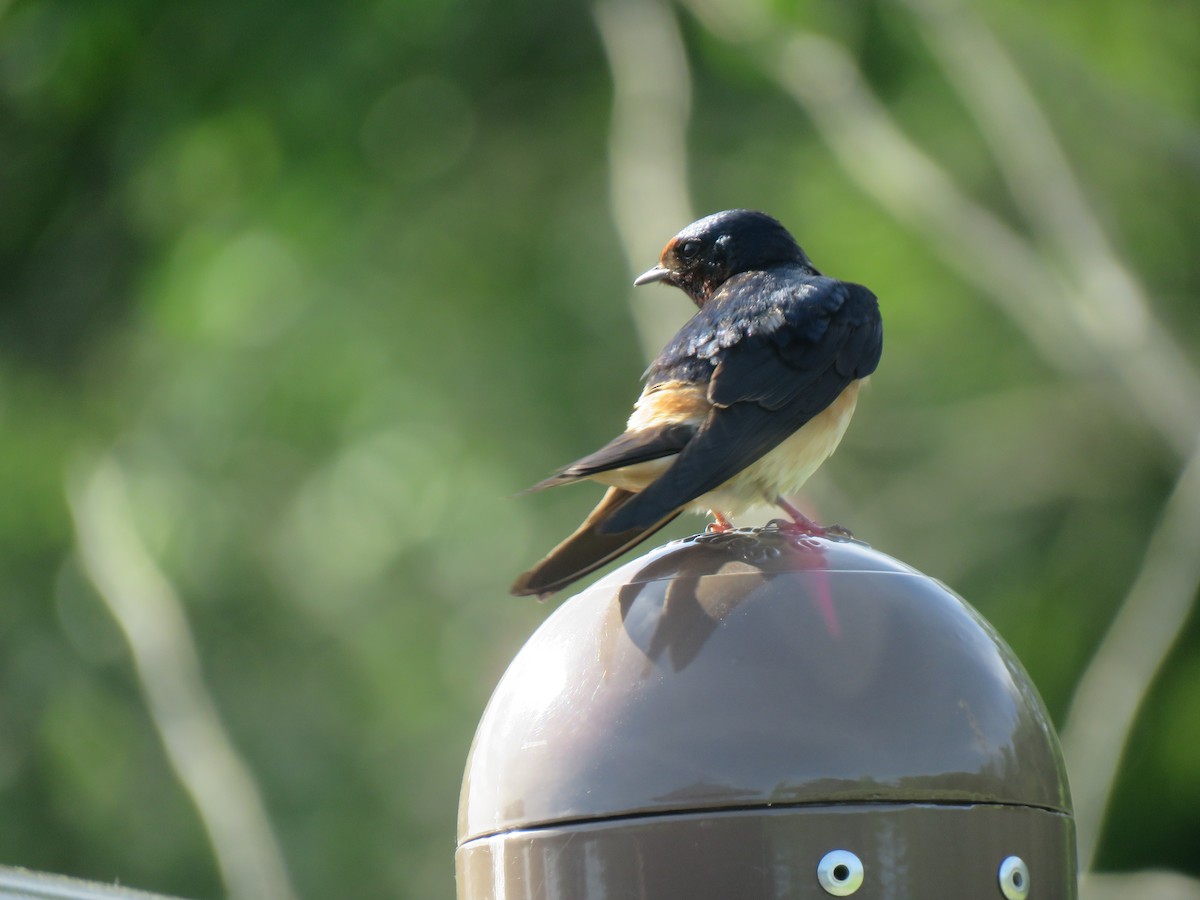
(589, 548)
(625, 450)
(783, 351)
(826, 325)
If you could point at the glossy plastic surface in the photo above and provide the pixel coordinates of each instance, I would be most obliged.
(756, 669)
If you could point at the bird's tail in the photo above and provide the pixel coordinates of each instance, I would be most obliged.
(586, 550)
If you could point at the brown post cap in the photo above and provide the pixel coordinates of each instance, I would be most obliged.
(760, 677)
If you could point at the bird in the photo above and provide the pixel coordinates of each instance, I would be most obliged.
(742, 405)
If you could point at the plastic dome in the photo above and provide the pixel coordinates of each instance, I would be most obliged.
(755, 681)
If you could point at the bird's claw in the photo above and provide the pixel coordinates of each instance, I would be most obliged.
(720, 523)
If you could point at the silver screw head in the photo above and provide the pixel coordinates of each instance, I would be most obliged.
(840, 873)
(1014, 878)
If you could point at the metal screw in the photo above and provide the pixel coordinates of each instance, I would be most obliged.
(1014, 878)
(840, 873)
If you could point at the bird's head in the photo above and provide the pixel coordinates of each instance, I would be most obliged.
(700, 258)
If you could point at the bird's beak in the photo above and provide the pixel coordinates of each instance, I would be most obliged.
(658, 273)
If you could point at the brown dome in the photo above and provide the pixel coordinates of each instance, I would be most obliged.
(759, 682)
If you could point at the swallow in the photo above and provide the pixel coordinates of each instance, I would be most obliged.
(743, 404)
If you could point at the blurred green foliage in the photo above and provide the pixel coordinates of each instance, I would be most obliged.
(332, 283)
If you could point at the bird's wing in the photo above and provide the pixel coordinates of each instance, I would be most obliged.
(782, 354)
(589, 548)
(626, 449)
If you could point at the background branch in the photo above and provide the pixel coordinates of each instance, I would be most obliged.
(1123, 667)
(1075, 333)
(151, 616)
(1109, 304)
(647, 147)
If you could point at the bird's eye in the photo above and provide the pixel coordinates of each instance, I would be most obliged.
(689, 250)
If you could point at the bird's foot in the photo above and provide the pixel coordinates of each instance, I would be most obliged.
(801, 524)
(719, 525)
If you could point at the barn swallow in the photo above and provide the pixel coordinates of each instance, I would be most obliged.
(743, 404)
